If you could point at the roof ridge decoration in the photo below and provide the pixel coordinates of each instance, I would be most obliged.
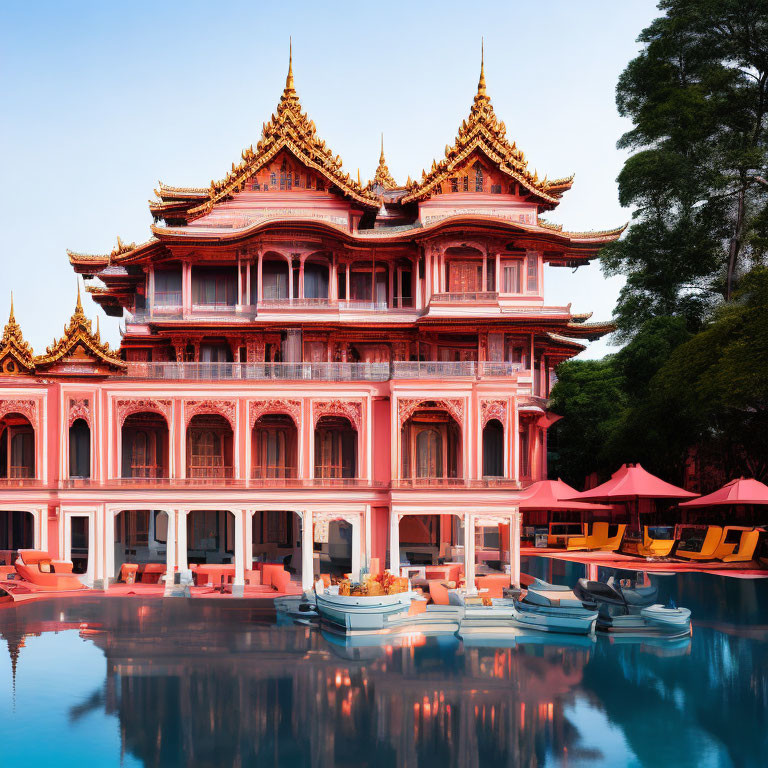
(120, 252)
(382, 178)
(482, 130)
(16, 356)
(289, 128)
(79, 331)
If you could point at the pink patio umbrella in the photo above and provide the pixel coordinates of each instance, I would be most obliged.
(550, 495)
(631, 483)
(744, 491)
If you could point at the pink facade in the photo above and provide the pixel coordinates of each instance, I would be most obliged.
(302, 351)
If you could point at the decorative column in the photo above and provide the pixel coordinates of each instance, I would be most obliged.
(368, 536)
(515, 442)
(151, 290)
(260, 283)
(290, 278)
(469, 552)
(248, 528)
(307, 550)
(170, 545)
(239, 283)
(394, 542)
(416, 285)
(348, 288)
(333, 288)
(391, 288)
(301, 276)
(248, 282)
(485, 272)
(186, 284)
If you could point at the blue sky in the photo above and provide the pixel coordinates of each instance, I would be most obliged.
(103, 99)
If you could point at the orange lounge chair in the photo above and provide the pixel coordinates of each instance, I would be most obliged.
(495, 583)
(574, 543)
(654, 547)
(438, 592)
(611, 543)
(740, 551)
(36, 566)
(708, 548)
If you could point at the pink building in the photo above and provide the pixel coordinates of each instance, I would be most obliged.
(314, 371)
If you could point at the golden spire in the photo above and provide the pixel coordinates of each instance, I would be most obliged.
(289, 86)
(79, 305)
(12, 345)
(11, 318)
(382, 177)
(382, 161)
(481, 82)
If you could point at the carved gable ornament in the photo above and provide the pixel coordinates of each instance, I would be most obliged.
(15, 353)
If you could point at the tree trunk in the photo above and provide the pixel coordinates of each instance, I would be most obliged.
(735, 246)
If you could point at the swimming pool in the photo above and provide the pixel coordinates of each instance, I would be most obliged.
(148, 682)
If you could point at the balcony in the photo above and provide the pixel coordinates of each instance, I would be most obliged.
(485, 483)
(471, 297)
(319, 371)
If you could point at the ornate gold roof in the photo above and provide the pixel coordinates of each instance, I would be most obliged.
(79, 332)
(289, 129)
(382, 178)
(15, 352)
(484, 132)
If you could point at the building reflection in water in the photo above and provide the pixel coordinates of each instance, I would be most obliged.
(220, 684)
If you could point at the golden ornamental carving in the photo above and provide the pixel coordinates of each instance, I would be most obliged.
(225, 408)
(259, 408)
(143, 405)
(493, 409)
(349, 409)
(79, 408)
(79, 332)
(290, 128)
(406, 407)
(16, 356)
(482, 131)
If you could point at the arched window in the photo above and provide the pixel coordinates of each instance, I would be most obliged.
(80, 449)
(493, 449)
(478, 169)
(335, 448)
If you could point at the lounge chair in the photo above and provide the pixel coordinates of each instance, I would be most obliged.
(37, 567)
(438, 592)
(611, 543)
(708, 548)
(737, 552)
(654, 547)
(574, 543)
(495, 583)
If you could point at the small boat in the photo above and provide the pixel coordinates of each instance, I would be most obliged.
(361, 612)
(612, 592)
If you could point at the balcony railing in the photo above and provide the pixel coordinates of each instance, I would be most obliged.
(21, 472)
(273, 473)
(456, 297)
(319, 371)
(209, 470)
(456, 482)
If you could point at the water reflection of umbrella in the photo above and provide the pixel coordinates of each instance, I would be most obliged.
(630, 483)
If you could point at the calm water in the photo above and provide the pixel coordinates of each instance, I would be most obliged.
(217, 683)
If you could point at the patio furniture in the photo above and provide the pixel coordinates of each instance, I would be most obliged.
(651, 547)
(438, 592)
(408, 571)
(129, 573)
(492, 585)
(737, 544)
(215, 574)
(708, 547)
(446, 572)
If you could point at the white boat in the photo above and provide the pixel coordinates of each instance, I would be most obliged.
(362, 612)
(503, 613)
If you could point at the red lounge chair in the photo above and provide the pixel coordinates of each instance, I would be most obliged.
(281, 580)
(439, 593)
(36, 567)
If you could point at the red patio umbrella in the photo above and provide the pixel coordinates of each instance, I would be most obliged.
(548, 495)
(631, 483)
(742, 491)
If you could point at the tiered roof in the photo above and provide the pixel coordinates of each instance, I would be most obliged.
(15, 352)
(382, 178)
(483, 132)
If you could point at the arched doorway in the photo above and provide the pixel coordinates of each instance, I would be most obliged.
(210, 536)
(141, 536)
(17, 447)
(209, 447)
(431, 445)
(17, 531)
(276, 538)
(493, 449)
(335, 448)
(274, 278)
(315, 279)
(274, 448)
(79, 449)
(333, 547)
(145, 446)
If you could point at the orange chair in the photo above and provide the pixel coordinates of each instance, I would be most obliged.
(741, 551)
(253, 578)
(654, 547)
(708, 548)
(267, 572)
(129, 573)
(495, 584)
(281, 580)
(36, 566)
(438, 592)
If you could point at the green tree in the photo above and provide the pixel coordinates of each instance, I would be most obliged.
(697, 95)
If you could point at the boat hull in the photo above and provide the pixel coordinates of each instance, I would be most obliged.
(362, 613)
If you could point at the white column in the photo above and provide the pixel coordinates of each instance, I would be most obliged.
(368, 536)
(151, 290)
(181, 537)
(307, 550)
(260, 283)
(239, 550)
(239, 284)
(514, 547)
(248, 539)
(356, 534)
(469, 552)
(515, 441)
(91, 571)
(170, 545)
(394, 542)
(498, 273)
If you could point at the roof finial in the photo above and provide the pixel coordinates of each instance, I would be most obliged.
(79, 306)
(11, 318)
(481, 82)
(289, 87)
(381, 157)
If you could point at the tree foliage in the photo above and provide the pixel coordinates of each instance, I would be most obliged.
(697, 95)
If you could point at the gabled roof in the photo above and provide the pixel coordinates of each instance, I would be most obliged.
(288, 129)
(15, 352)
(79, 333)
(483, 132)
